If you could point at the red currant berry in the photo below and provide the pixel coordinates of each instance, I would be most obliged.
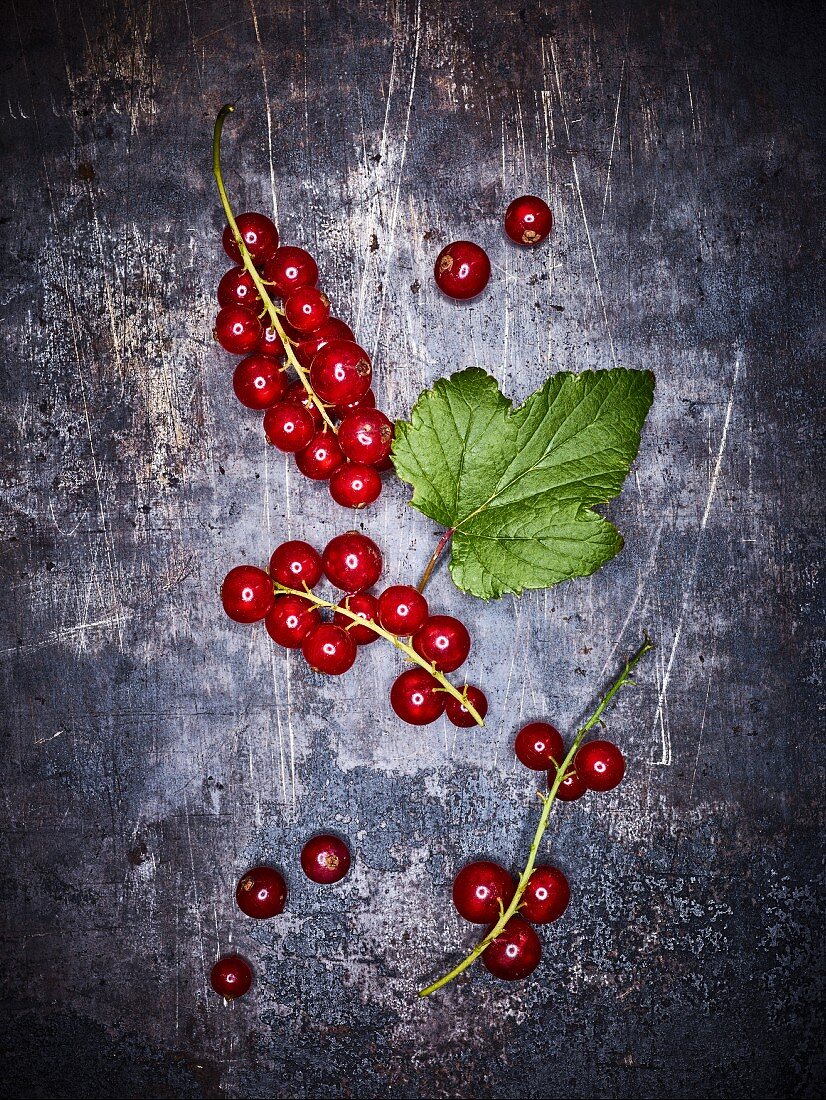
(354, 485)
(298, 395)
(479, 888)
(352, 562)
(528, 220)
(546, 896)
(288, 427)
(259, 235)
(417, 698)
(307, 308)
(341, 372)
(231, 977)
(462, 270)
(259, 382)
(366, 435)
(329, 649)
(270, 343)
(289, 269)
(309, 346)
(515, 953)
(261, 893)
(402, 609)
(236, 288)
(296, 563)
(247, 594)
(320, 457)
(443, 641)
(291, 620)
(237, 329)
(325, 858)
(365, 605)
(458, 713)
(600, 765)
(539, 744)
(570, 789)
(366, 401)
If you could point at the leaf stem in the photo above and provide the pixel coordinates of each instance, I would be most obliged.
(260, 286)
(434, 557)
(548, 800)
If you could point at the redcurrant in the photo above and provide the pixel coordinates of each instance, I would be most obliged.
(259, 382)
(365, 435)
(462, 270)
(270, 343)
(298, 395)
(402, 609)
(231, 977)
(352, 562)
(331, 329)
(237, 329)
(479, 888)
(365, 605)
(600, 765)
(515, 953)
(366, 401)
(443, 641)
(247, 594)
(416, 697)
(458, 713)
(329, 649)
(307, 308)
(295, 564)
(341, 372)
(259, 235)
(528, 220)
(571, 788)
(320, 457)
(290, 620)
(261, 893)
(289, 269)
(325, 858)
(236, 288)
(538, 745)
(354, 485)
(288, 427)
(546, 896)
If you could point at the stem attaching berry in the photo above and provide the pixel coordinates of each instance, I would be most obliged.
(600, 765)
(546, 896)
(458, 713)
(352, 562)
(247, 594)
(261, 892)
(259, 382)
(482, 891)
(290, 620)
(289, 269)
(329, 649)
(365, 605)
(259, 235)
(402, 609)
(365, 435)
(528, 220)
(354, 485)
(514, 953)
(288, 426)
(325, 858)
(296, 563)
(231, 977)
(237, 329)
(444, 641)
(462, 270)
(417, 698)
(538, 746)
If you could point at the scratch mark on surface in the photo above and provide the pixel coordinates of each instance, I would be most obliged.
(613, 142)
(266, 107)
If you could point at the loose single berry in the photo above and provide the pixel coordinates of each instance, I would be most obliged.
(571, 788)
(288, 427)
(462, 270)
(271, 343)
(515, 953)
(366, 401)
(538, 745)
(290, 620)
(365, 435)
(247, 594)
(298, 395)
(402, 609)
(417, 698)
(259, 235)
(341, 372)
(320, 457)
(354, 485)
(325, 858)
(259, 382)
(443, 641)
(546, 896)
(289, 269)
(365, 605)
(307, 308)
(352, 562)
(231, 977)
(600, 765)
(478, 890)
(329, 649)
(309, 346)
(237, 329)
(237, 288)
(295, 564)
(528, 220)
(261, 893)
(458, 713)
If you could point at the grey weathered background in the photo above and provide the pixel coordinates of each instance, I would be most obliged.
(154, 749)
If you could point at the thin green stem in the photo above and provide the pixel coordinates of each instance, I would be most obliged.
(260, 286)
(408, 650)
(548, 800)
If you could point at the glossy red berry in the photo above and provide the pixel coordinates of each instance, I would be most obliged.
(298, 395)
(259, 382)
(231, 977)
(295, 564)
(270, 343)
(259, 235)
(402, 609)
(538, 745)
(352, 562)
(237, 329)
(290, 620)
(366, 401)
(325, 858)
(365, 435)
(546, 896)
(458, 713)
(444, 641)
(288, 426)
(571, 788)
(341, 372)
(600, 765)
(307, 308)
(515, 953)
(354, 485)
(289, 269)
(329, 649)
(261, 893)
(528, 220)
(365, 605)
(247, 594)
(479, 888)
(237, 288)
(309, 346)
(417, 698)
(320, 457)
(462, 270)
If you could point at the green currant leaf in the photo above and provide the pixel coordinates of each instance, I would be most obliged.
(518, 486)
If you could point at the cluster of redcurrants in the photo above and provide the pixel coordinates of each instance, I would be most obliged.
(262, 893)
(339, 371)
(597, 766)
(353, 563)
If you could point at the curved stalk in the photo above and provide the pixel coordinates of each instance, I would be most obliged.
(548, 800)
(270, 308)
(434, 557)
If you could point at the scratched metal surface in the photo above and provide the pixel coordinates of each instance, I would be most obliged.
(153, 750)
